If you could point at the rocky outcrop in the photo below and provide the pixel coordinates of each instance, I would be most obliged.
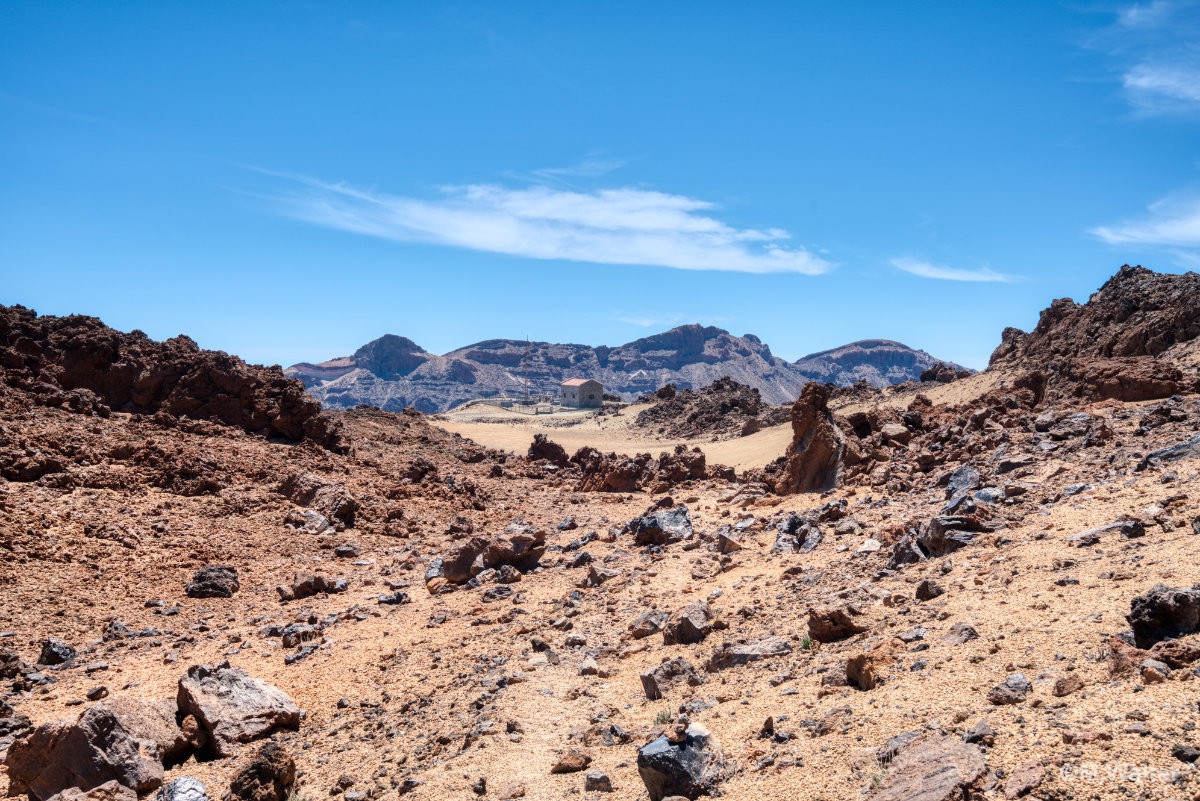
(813, 462)
(544, 449)
(81, 364)
(1108, 347)
(722, 410)
(611, 472)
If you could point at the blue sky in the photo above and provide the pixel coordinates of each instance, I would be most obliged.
(289, 181)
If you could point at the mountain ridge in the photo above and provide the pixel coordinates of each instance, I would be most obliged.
(393, 372)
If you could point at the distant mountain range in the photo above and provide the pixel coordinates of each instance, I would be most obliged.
(393, 372)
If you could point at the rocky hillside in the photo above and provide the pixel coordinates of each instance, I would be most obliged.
(79, 363)
(393, 372)
(879, 362)
(992, 598)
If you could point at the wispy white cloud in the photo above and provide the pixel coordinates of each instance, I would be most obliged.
(1146, 15)
(1171, 222)
(609, 226)
(591, 167)
(1163, 88)
(1155, 47)
(927, 270)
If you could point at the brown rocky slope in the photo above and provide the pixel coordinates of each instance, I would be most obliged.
(970, 610)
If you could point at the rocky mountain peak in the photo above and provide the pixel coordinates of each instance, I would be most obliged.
(390, 355)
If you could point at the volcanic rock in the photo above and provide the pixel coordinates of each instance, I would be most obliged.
(736, 654)
(133, 373)
(659, 680)
(813, 461)
(1106, 348)
(101, 745)
(269, 776)
(688, 625)
(1162, 612)
(234, 707)
(936, 768)
(690, 768)
(214, 581)
(109, 791)
(662, 527)
(833, 623)
(545, 449)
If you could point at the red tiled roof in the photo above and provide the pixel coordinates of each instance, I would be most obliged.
(576, 382)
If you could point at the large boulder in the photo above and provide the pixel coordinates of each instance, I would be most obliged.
(942, 535)
(464, 560)
(233, 706)
(833, 623)
(736, 654)
(109, 791)
(545, 449)
(328, 498)
(662, 527)
(689, 768)
(268, 776)
(214, 581)
(688, 625)
(1163, 612)
(152, 719)
(124, 742)
(658, 681)
(936, 768)
(813, 461)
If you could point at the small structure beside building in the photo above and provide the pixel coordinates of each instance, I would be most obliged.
(581, 393)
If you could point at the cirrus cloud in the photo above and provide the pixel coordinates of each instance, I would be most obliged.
(628, 225)
(925, 269)
(1171, 222)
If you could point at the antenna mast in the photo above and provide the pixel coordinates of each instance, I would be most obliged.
(527, 350)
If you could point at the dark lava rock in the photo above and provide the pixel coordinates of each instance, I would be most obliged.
(214, 581)
(1013, 690)
(1164, 612)
(56, 652)
(690, 768)
(662, 527)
